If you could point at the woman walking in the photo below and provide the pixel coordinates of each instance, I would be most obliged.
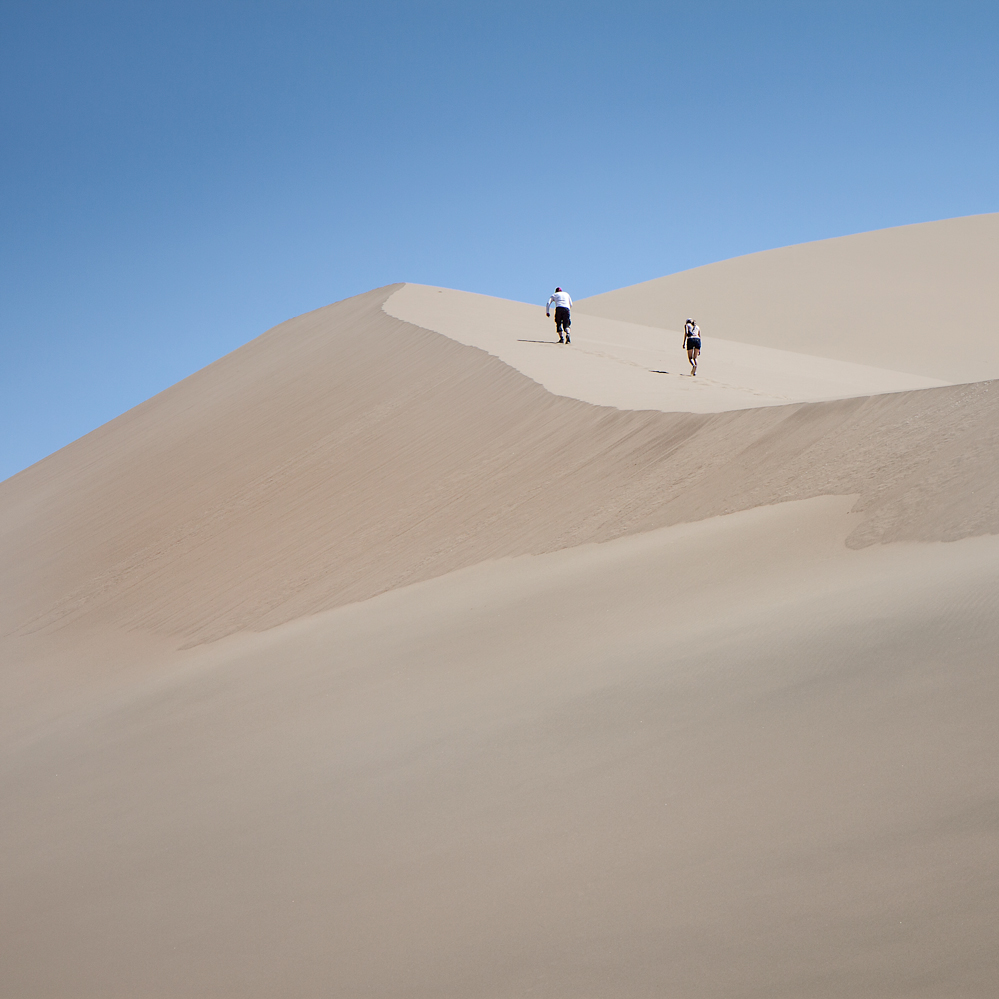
(692, 341)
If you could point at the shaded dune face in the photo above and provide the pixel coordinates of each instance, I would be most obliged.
(345, 453)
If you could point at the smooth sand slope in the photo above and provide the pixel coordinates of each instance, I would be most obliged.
(361, 664)
(918, 298)
(728, 758)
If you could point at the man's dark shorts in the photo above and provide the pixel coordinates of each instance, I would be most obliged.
(693, 343)
(562, 320)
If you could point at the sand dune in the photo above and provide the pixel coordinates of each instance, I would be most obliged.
(346, 453)
(918, 298)
(380, 659)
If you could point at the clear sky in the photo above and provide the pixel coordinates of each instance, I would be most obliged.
(176, 177)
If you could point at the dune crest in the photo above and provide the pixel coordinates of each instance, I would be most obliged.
(628, 366)
(345, 453)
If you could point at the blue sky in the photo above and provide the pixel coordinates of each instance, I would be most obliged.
(175, 178)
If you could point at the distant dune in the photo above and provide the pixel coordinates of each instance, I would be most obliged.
(405, 652)
(918, 298)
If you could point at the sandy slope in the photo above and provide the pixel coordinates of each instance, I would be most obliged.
(360, 663)
(729, 758)
(613, 363)
(918, 298)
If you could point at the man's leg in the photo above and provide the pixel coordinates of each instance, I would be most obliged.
(567, 324)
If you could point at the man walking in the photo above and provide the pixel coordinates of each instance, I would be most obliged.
(563, 303)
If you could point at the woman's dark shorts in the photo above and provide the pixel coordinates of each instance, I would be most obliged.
(693, 343)
(562, 320)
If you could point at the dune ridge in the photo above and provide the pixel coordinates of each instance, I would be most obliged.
(345, 453)
(629, 366)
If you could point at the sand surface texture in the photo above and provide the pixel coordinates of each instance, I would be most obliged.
(360, 663)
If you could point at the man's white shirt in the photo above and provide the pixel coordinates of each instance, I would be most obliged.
(561, 301)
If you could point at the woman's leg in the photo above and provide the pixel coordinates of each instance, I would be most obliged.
(696, 352)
